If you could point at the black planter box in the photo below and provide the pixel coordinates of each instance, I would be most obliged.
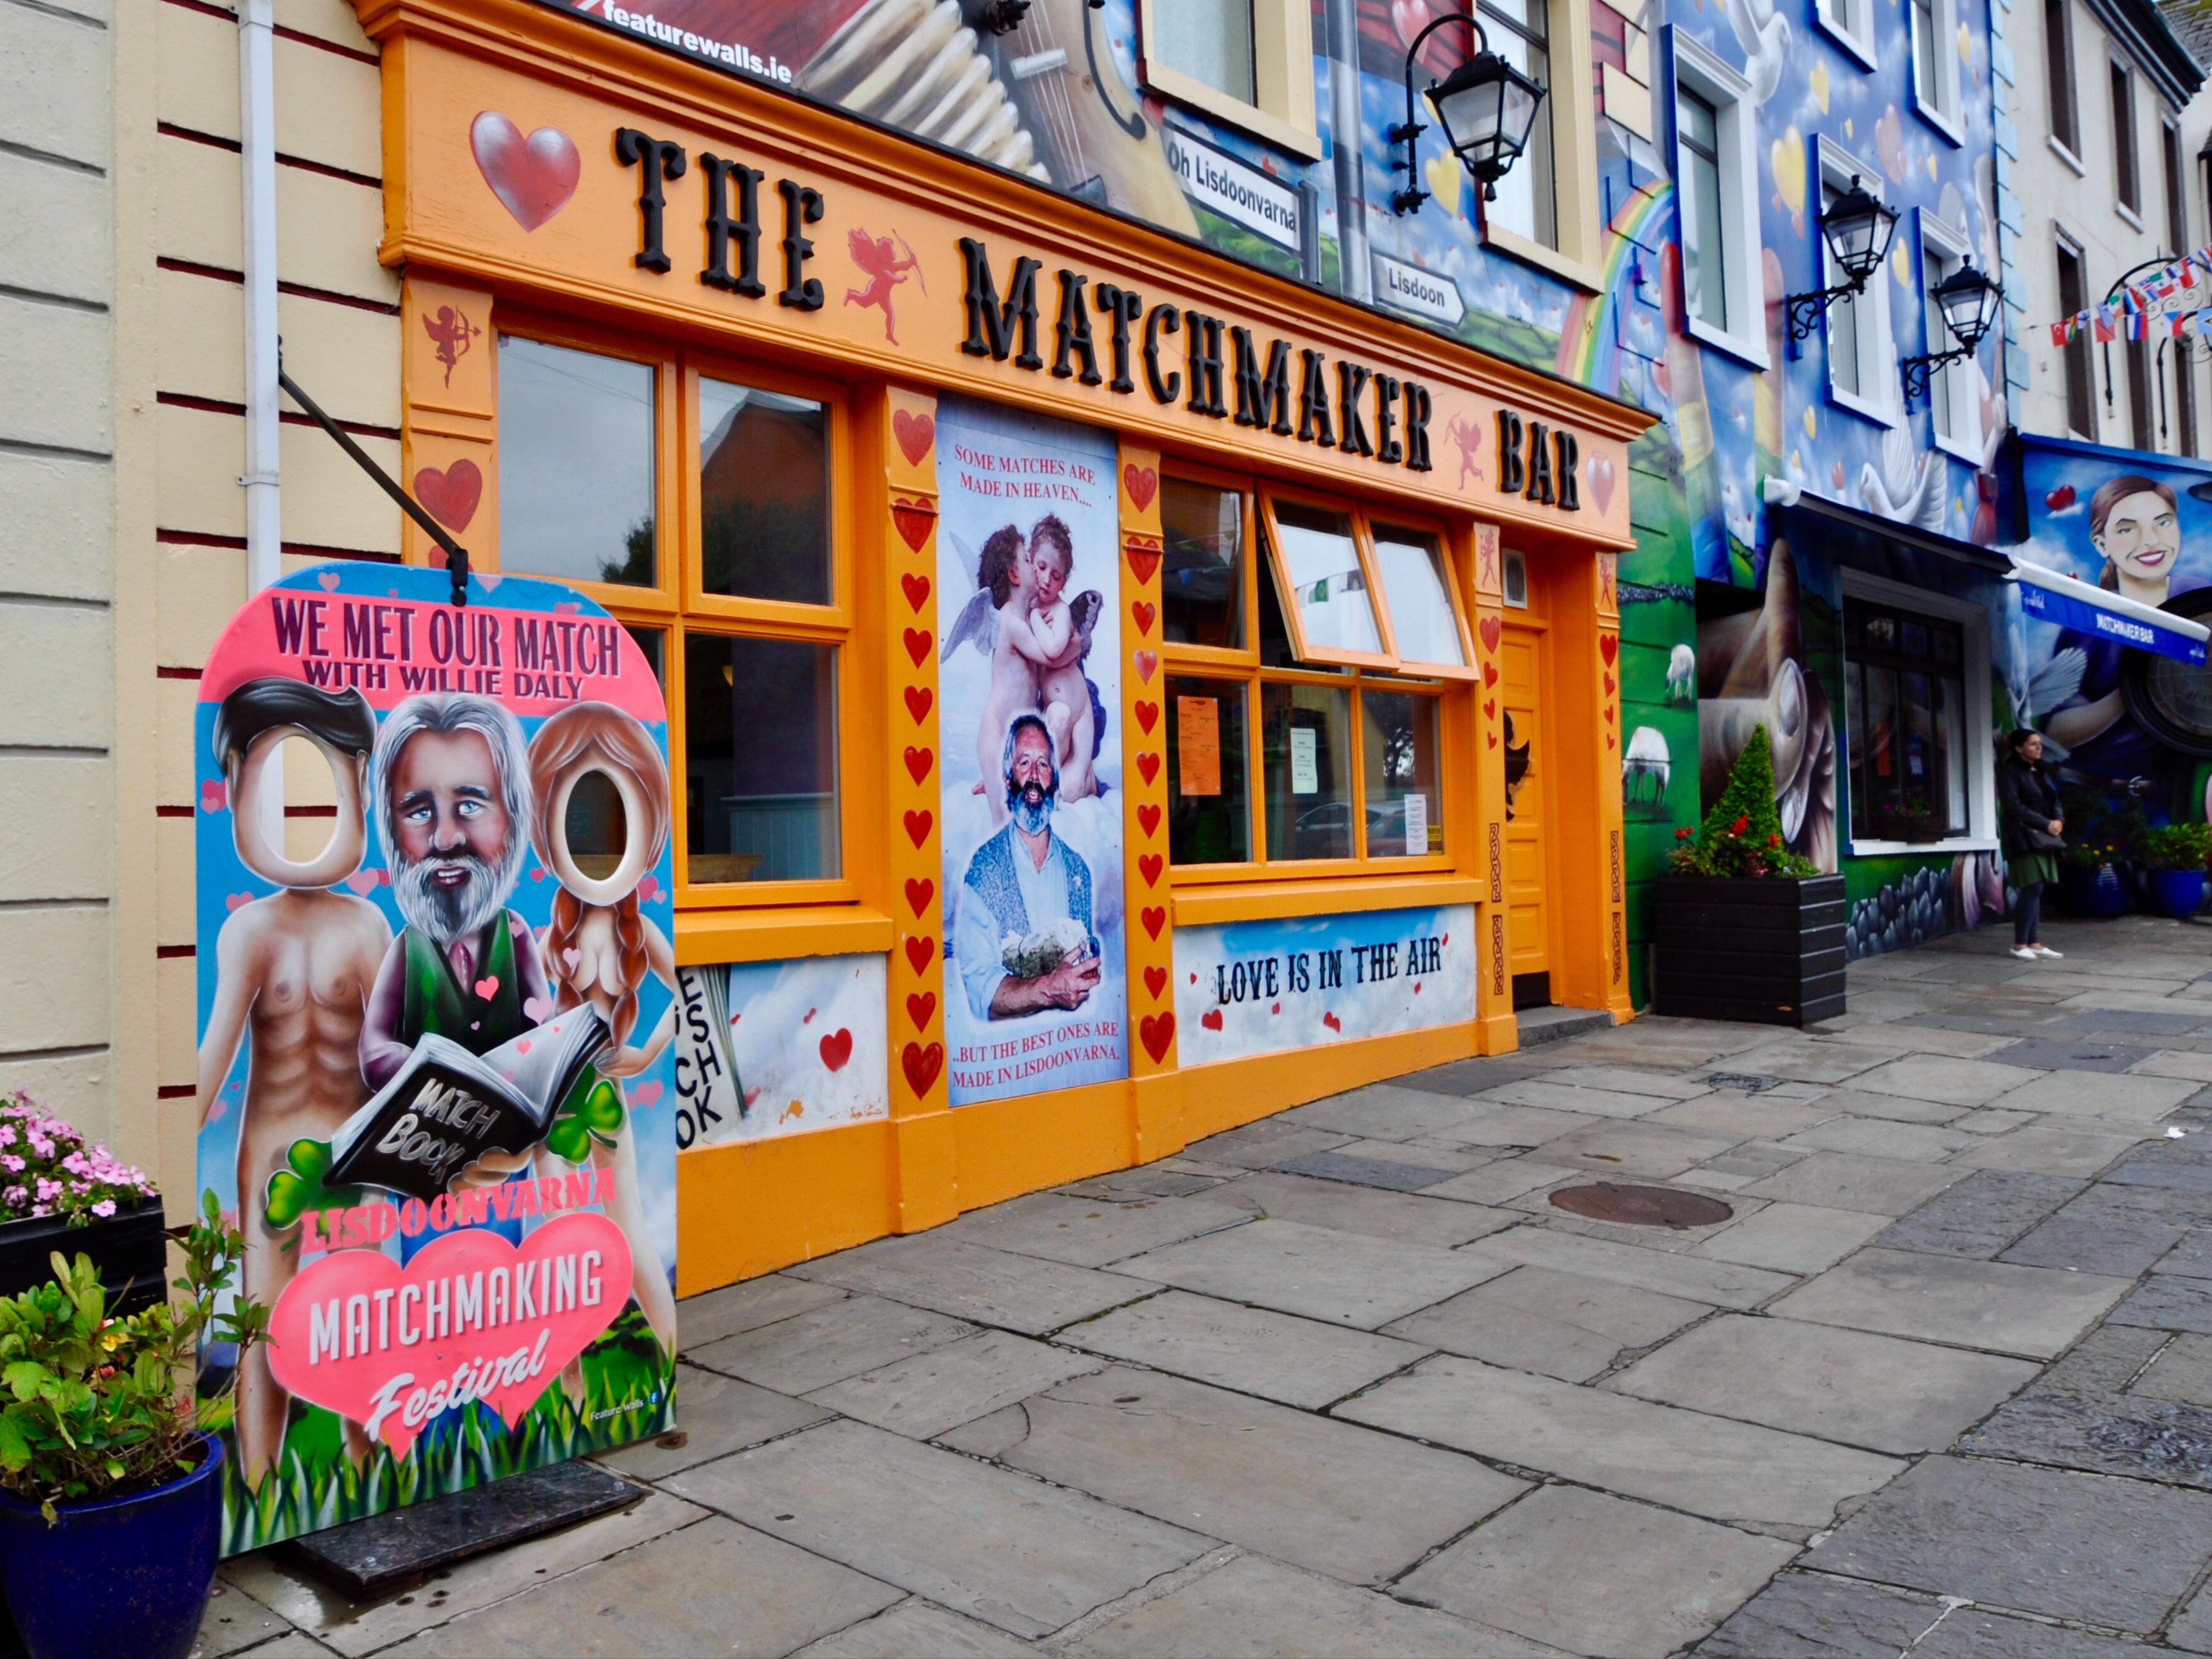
(1750, 948)
(128, 1248)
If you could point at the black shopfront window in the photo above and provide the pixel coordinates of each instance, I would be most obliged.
(1904, 697)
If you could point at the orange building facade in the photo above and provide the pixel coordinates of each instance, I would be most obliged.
(720, 356)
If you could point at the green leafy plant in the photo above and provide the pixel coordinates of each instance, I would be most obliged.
(1743, 834)
(94, 1407)
(2176, 847)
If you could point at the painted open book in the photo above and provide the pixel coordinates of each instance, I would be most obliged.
(446, 1107)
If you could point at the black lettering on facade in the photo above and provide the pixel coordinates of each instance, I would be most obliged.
(991, 324)
(1417, 410)
(802, 205)
(1512, 468)
(1202, 345)
(1567, 451)
(1161, 319)
(725, 228)
(657, 159)
(1350, 381)
(1124, 306)
(1315, 425)
(1071, 333)
(1540, 466)
(1387, 447)
(1263, 395)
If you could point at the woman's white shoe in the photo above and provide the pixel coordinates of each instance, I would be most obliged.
(2047, 953)
(2025, 952)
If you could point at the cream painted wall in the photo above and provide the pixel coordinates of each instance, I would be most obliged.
(180, 518)
(2082, 203)
(57, 475)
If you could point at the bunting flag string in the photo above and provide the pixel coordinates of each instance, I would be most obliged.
(2144, 309)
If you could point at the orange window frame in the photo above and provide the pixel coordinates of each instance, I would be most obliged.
(677, 605)
(1364, 672)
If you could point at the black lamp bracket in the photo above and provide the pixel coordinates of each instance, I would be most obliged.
(1806, 310)
(457, 556)
(1917, 372)
(1408, 133)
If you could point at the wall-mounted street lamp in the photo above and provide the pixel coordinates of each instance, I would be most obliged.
(1969, 302)
(1857, 229)
(1486, 106)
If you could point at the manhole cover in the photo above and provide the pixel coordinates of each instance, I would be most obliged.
(1743, 1081)
(1641, 1206)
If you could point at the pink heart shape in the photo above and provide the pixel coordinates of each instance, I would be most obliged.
(236, 901)
(387, 1380)
(646, 1094)
(215, 795)
(648, 889)
(363, 883)
(535, 1009)
(328, 580)
(1602, 480)
(532, 177)
(571, 956)
(487, 987)
(522, 1043)
(566, 607)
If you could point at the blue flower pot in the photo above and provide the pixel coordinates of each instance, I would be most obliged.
(2176, 893)
(125, 1578)
(2093, 890)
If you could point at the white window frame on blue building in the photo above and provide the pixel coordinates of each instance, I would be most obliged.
(1943, 248)
(1875, 357)
(1727, 93)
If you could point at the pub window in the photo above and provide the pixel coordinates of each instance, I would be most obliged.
(2058, 74)
(1851, 23)
(1313, 649)
(1527, 197)
(697, 503)
(2079, 373)
(2126, 175)
(1248, 62)
(1905, 709)
(1935, 64)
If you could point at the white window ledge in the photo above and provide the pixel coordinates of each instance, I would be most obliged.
(1933, 848)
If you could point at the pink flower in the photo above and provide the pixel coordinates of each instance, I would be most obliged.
(105, 1207)
(11, 1162)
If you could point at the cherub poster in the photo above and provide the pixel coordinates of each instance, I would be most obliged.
(434, 1027)
(1029, 690)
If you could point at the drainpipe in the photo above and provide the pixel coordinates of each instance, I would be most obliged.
(257, 145)
(1356, 272)
(264, 526)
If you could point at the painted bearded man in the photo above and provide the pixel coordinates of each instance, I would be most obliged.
(452, 794)
(1025, 939)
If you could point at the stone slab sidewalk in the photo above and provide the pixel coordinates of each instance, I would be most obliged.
(1346, 1382)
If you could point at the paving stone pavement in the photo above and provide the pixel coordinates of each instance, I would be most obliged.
(1349, 1382)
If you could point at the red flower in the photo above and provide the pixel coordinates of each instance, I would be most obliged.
(1740, 824)
(1681, 835)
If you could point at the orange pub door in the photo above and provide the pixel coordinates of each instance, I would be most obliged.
(1523, 664)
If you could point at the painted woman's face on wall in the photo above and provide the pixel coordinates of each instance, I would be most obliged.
(2142, 537)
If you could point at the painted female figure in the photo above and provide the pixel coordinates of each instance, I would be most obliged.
(600, 947)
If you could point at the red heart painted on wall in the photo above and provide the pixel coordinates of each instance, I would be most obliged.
(920, 1007)
(1492, 629)
(920, 890)
(507, 1365)
(1148, 765)
(914, 434)
(1148, 715)
(920, 947)
(1490, 673)
(918, 701)
(917, 825)
(1610, 686)
(1608, 647)
(1490, 708)
(921, 1062)
(1148, 819)
(917, 644)
(1155, 1032)
(1142, 612)
(1149, 867)
(912, 520)
(1156, 980)
(1142, 483)
(1147, 663)
(1332, 1023)
(1210, 1019)
(450, 496)
(2061, 498)
(1154, 918)
(1144, 560)
(917, 762)
(836, 1049)
(916, 589)
(532, 177)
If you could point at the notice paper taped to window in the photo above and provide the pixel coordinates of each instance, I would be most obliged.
(1198, 746)
(1417, 826)
(1305, 761)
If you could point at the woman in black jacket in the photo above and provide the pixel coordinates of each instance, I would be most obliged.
(2034, 835)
